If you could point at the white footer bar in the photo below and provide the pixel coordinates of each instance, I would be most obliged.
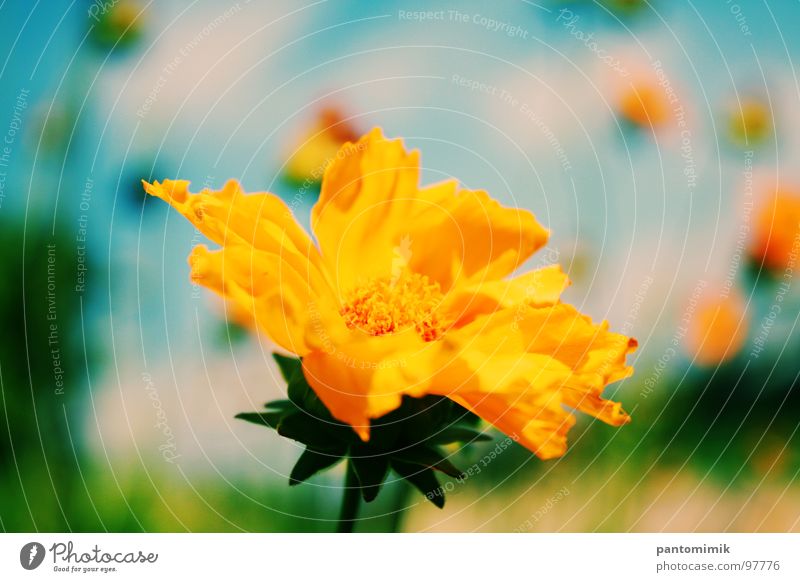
(416, 557)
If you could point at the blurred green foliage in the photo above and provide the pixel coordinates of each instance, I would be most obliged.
(43, 366)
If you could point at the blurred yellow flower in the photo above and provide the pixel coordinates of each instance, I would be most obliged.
(116, 24)
(718, 330)
(750, 122)
(408, 290)
(776, 240)
(311, 154)
(644, 105)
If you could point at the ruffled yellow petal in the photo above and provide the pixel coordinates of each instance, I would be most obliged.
(520, 394)
(261, 219)
(366, 189)
(539, 288)
(536, 422)
(265, 285)
(269, 266)
(595, 356)
(373, 218)
(537, 360)
(475, 238)
(360, 377)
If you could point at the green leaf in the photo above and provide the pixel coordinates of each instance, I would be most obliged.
(422, 479)
(288, 366)
(270, 419)
(310, 463)
(458, 434)
(428, 457)
(371, 473)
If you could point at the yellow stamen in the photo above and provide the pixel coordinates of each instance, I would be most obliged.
(385, 305)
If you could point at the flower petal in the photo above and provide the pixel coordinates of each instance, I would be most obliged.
(265, 285)
(475, 238)
(539, 288)
(362, 377)
(533, 360)
(269, 266)
(520, 394)
(366, 189)
(595, 356)
(520, 368)
(259, 219)
(372, 216)
(539, 424)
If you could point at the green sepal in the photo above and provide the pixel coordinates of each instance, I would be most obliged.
(304, 397)
(425, 416)
(405, 440)
(423, 479)
(371, 473)
(430, 458)
(458, 434)
(384, 432)
(281, 405)
(270, 419)
(312, 462)
(460, 416)
(310, 431)
(289, 367)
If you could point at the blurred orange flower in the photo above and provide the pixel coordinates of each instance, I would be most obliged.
(644, 105)
(407, 292)
(776, 240)
(311, 154)
(718, 330)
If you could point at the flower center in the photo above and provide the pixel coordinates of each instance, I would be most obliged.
(385, 305)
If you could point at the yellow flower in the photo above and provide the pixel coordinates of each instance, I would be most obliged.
(409, 290)
(750, 122)
(116, 24)
(309, 157)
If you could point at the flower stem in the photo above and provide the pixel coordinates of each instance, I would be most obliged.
(350, 501)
